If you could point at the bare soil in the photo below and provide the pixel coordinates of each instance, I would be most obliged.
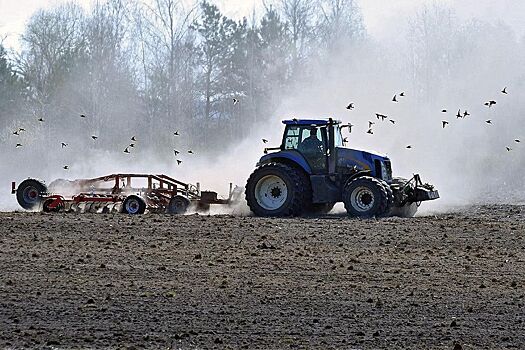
(201, 282)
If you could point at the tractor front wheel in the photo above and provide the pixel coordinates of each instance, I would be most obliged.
(366, 197)
(276, 189)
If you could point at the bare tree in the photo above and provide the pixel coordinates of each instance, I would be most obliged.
(340, 23)
(432, 36)
(168, 49)
(299, 16)
(50, 38)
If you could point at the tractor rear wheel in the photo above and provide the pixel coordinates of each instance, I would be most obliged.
(29, 194)
(366, 197)
(134, 205)
(277, 189)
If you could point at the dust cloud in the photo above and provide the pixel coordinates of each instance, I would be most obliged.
(439, 56)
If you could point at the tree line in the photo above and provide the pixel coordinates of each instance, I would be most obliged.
(148, 67)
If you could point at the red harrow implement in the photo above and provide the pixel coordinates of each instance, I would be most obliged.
(115, 193)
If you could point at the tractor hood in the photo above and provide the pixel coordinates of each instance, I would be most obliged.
(362, 160)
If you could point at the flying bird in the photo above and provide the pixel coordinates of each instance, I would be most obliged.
(18, 145)
(370, 124)
(235, 101)
(41, 119)
(392, 121)
(126, 150)
(176, 133)
(190, 151)
(264, 140)
(16, 132)
(133, 138)
(445, 123)
(488, 121)
(94, 137)
(490, 103)
(382, 116)
(176, 152)
(443, 111)
(409, 147)
(402, 94)
(179, 162)
(394, 99)
(504, 91)
(370, 131)
(82, 116)
(459, 114)
(131, 145)
(508, 149)
(64, 144)
(350, 106)
(66, 167)
(466, 114)
(517, 141)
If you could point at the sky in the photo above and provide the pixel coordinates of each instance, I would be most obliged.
(382, 18)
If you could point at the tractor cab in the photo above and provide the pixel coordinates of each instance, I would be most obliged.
(320, 143)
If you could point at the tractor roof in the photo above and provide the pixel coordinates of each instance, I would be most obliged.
(311, 121)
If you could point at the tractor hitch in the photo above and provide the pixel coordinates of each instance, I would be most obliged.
(415, 191)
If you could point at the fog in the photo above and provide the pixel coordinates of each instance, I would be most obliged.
(443, 55)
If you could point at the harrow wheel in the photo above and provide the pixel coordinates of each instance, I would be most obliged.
(178, 205)
(29, 194)
(134, 205)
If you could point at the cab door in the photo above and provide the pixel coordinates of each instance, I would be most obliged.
(316, 154)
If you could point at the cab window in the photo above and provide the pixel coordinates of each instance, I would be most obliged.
(291, 140)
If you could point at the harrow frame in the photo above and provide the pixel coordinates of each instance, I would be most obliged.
(161, 194)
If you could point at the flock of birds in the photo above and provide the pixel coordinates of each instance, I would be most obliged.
(350, 106)
(444, 123)
(127, 150)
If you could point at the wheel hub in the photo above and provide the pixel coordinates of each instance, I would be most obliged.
(30, 194)
(362, 199)
(271, 192)
(276, 192)
(132, 206)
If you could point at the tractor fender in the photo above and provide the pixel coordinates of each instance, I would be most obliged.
(293, 158)
(356, 175)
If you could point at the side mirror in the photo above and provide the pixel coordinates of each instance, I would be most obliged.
(349, 126)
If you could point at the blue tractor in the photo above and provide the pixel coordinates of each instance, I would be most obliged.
(312, 171)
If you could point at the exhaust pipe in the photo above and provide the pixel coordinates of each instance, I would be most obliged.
(13, 187)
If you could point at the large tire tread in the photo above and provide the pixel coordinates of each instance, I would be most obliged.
(385, 197)
(301, 193)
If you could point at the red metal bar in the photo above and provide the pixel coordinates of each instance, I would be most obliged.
(57, 201)
(84, 198)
